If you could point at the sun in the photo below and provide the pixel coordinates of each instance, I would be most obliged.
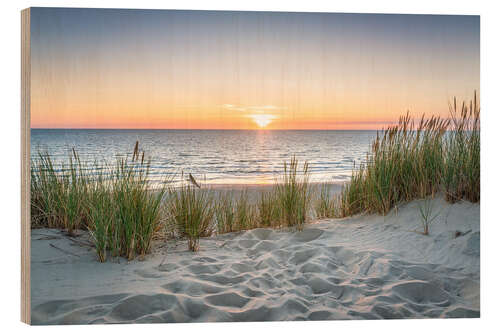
(262, 120)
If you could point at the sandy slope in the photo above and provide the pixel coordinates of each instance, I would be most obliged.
(361, 267)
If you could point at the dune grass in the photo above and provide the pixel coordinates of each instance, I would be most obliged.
(286, 204)
(427, 215)
(116, 204)
(137, 208)
(192, 211)
(268, 209)
(225, 213)
(102, 217)
(293, 194)
(56, 196)
(325, 205)
(245, 212)
(461, 176)
(235, 213)
(412, 161)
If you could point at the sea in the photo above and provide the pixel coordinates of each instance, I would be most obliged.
(213, 156)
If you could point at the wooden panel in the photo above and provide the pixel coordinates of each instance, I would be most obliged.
(25, 167)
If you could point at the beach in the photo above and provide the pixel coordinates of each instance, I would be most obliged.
(360, 267)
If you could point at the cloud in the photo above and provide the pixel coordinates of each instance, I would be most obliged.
(265, 108)
(253, 108)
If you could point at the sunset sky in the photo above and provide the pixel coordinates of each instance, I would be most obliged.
(245, 70)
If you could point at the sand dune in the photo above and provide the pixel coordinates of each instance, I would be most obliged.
(365, 267)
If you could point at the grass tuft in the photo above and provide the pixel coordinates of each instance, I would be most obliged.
(116, 204)
(245, 212)
(461, 175)
(268, 209)
(225, 213)
(293, 194)
(325, 204)
(427, 215)
(192, 211)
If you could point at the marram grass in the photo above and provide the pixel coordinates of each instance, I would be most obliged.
(116, 204)
(286, 204)
(245, 212)
(325, 205)
(412, 161)
(461, 176)
(57, 195)
(293, 194)
(225, 213)
(191, 210)
(268, 209)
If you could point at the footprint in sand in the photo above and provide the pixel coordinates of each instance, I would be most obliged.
(307, 235)
(229, 299)
(148, 274)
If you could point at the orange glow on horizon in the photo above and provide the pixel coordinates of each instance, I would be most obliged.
(206, 118)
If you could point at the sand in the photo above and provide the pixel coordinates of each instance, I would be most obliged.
(363, 267)
(254, 191)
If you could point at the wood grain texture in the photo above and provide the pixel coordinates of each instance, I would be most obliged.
(25, 167)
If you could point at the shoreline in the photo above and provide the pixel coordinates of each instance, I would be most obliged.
(365, 266)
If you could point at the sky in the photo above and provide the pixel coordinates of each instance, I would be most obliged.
(110, 68)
